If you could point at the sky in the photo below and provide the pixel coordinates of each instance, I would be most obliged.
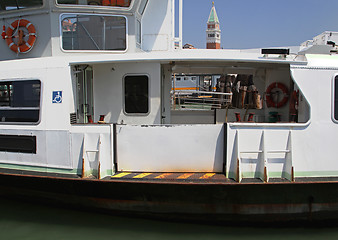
(259, 23)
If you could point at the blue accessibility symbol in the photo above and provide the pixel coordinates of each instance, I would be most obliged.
(57, 97)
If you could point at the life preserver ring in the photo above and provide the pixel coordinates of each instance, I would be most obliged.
(269, 100)
(21, 46)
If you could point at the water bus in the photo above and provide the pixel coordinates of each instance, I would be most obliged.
(87, 117)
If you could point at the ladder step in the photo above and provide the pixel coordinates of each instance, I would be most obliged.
(278, 151)
(251, 152)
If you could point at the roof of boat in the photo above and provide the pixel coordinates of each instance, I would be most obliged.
(186, 55)
(205, 55)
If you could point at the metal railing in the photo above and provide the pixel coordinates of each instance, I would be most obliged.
(191, 99)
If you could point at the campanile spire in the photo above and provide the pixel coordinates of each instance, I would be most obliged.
(213, 30)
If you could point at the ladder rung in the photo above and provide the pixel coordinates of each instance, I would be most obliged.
(252, 151)
(279, 151)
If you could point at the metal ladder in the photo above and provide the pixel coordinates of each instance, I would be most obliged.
(262, 159)
(87, 171)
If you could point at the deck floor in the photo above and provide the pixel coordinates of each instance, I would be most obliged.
(172, 177)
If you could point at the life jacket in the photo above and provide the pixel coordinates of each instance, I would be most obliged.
(117, 3)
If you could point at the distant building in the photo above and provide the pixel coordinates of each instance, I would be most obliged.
(188, 46)
(213, 30)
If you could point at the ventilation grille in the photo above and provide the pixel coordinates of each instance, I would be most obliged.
(72, 118)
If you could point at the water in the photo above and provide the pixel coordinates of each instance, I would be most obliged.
(21, 220)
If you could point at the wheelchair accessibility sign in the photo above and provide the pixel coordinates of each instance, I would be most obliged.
(57, 97)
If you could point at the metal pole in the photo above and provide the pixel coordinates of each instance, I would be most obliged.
(104, 34)
(173, 23)
(181, 24)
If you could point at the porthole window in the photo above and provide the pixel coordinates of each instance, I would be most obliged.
(136, 94)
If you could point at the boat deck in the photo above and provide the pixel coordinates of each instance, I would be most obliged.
(172, 177)
(200, 178)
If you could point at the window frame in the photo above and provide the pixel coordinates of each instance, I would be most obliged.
(24, 9)
(22, 108)
(138, 31)
(124, 98)
(91, 51)
(142, 7)
(94, 6)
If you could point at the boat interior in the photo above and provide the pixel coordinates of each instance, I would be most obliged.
(224, 92)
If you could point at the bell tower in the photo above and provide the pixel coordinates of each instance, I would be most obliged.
(213, 30)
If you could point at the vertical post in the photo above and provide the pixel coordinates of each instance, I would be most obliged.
(265, 159)
(174, 92)
(83, 172)
(238, 162)
(104, 34)
(173, 23)
(115, 148)
(288, 170)
(181, 24)
(225, 145)
(99, 157)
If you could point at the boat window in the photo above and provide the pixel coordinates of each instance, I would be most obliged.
(110, 3)
(94, 32)
(136, 93)
(336, 98)
(20, 101)
(7, 5)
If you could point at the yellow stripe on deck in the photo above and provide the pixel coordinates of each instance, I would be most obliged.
(120, 175)
(185, 176)
(164, 175)
(142, 175)
(207, 175)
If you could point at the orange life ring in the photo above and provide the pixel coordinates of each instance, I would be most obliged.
(269, 100)
(22, 46)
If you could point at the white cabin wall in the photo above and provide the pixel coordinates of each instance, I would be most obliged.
(157, 26)
(316, 85)
(54, 125)
(54, 76)
(109, 97)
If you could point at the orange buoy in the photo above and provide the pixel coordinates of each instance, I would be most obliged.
(269, 100)
(21, 46)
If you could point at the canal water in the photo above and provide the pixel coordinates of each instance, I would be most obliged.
(22, 220)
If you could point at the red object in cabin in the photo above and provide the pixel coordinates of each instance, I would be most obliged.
(238, 117)
(3, 32)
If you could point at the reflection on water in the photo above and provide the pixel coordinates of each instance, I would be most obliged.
(20, 220)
